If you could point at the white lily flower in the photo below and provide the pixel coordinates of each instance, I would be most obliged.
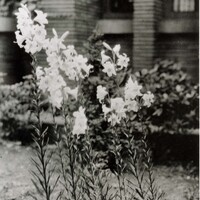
(80, 125)
(72, 92)
(116, 49)
(109, 68)
(41, 17)
(101, 93)
(123, 61)
(132, 89)
(148, 99)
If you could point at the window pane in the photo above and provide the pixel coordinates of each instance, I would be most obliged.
(184, 5)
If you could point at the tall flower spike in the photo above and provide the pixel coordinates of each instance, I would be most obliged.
(30, 34)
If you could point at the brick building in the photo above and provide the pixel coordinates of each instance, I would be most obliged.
(146, 29)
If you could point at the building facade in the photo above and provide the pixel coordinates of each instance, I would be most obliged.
(146, 29)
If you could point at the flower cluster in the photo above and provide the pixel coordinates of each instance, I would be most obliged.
(116, 63)
(80, 124)
(64, 62)
(65, 66)
(101, 93)
(73, 65)
(31, 33)
(132, 99)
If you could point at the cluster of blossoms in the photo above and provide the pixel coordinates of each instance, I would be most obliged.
(132, 100)
(116, 63)
(80, 122)
(31, 33)
(65, 66)
(62, 60)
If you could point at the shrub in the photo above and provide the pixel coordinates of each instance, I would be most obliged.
(176, 106)
(15, 110)
(176, 102)
(99, 128)
(175, 109)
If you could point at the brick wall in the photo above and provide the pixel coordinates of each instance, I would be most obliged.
(147, 14)
(61, 17)
(87, 12)
(79, 17)
(58, 8)
(183, 48)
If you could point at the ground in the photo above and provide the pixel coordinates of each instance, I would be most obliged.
(15, 179)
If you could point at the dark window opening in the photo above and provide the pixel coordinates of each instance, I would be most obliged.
(121, 6)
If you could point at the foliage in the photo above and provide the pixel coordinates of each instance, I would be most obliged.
(99, 128)
(15, 110)
(175, 109)
(176, 105)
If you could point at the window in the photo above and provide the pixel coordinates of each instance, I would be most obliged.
(121, 6)
(121, 9)
(184, 6)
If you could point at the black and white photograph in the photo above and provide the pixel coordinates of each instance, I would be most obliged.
(99, 99)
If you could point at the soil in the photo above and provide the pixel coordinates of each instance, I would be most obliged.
(15, 178)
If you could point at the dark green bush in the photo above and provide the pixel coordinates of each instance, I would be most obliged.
(176, 106)
(98, 126)
(175, 109)
(15, 110)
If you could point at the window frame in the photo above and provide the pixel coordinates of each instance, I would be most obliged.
(168, 12)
